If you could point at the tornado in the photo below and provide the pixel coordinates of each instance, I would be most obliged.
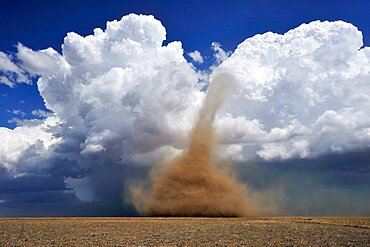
(193, 183)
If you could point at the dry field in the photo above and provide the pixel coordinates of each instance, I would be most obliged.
(185, 232)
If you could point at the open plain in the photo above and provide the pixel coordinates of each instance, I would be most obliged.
(302, 231)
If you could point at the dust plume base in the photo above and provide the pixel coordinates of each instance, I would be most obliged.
(192, 184)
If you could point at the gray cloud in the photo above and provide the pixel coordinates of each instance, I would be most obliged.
(330, 185)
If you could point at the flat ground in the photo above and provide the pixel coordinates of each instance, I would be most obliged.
(185, 232)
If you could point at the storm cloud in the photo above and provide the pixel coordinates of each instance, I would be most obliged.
(121, 101)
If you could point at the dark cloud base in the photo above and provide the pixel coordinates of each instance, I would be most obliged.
(332, 185)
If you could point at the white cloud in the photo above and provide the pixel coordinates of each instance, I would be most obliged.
(117, 93)
(307, 89)
(24, 122)
(16, 143)
(42, 62)
(5, 80)
(219, 54)
(11, 73)
(41, 113)
(17, 112)
(196, 56)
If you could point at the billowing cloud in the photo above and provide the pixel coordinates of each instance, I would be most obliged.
(121, 98)
(118, 97)
(119, 88)
(301, 94)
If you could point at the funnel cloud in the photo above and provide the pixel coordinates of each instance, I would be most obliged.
(193, 184)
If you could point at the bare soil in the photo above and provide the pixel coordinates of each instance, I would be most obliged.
(302, 231)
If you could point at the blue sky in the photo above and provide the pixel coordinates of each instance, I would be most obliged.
(41, 24)
(298, 132)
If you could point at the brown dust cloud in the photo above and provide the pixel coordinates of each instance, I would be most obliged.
(192, 183)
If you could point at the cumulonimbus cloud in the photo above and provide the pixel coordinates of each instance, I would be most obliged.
(301, 94)
(119, 96)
